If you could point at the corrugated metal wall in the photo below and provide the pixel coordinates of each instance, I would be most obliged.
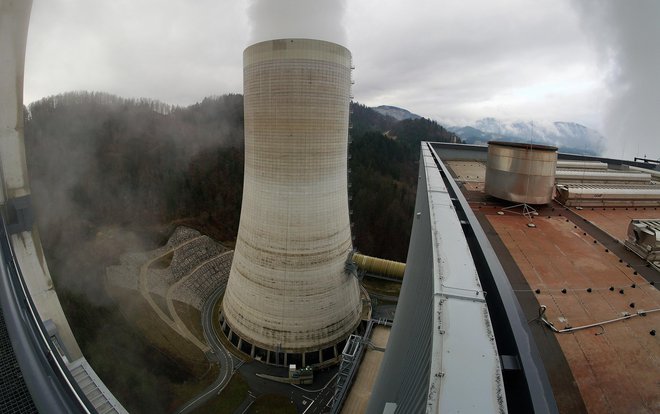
(404, 373)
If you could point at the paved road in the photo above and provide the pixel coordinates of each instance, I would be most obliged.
(307, 400)
(322, 401)
(314, 398)
(245, 405)
(217, 353)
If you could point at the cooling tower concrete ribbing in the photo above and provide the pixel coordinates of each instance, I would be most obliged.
(288, 290)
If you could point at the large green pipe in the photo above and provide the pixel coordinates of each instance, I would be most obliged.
(387, 268)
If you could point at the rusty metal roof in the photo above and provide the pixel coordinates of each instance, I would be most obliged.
(574, 264)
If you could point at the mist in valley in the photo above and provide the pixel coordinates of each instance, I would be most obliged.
(111, 175)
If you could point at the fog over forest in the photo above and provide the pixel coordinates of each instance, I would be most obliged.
(111, 175)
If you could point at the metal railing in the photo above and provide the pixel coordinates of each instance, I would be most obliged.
(51, 385)
(350, 362)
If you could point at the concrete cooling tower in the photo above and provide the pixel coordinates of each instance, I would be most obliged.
(289, 298)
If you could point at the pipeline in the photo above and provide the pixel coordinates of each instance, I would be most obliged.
(550, 325)
(387, 268)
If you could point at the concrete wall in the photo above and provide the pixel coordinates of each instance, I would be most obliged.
(14, 18)
(403, 378)
(287, 288)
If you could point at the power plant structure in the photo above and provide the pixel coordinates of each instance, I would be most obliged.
(484, 300)
(291, 298)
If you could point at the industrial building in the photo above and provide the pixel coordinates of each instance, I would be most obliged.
(583, 274)
(571, 291)
(494, 315)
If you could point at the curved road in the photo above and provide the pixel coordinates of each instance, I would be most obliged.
(307, 401)
(217, 353)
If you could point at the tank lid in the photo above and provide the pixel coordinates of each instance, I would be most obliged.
(523, 145)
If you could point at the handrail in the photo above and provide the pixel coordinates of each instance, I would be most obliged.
(51, 385)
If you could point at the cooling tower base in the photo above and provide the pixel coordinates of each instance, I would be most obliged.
(316, 358)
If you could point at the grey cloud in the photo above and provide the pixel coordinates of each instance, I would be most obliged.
(319, 19)
(626, 35)
(453, 59)
(175, 51)
(458, 59)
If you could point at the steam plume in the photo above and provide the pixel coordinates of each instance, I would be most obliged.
(626, 34)
(318, 19)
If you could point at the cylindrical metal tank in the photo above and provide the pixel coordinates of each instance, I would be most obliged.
(655, 174)
(608, 195)
(289, 295)
(602, 177)
(522, 173)
(581, 165)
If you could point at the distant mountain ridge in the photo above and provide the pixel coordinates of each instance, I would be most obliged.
(411, 129)
(395, 112)
(567, 136)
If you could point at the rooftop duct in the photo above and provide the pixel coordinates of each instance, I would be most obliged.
(521, 173)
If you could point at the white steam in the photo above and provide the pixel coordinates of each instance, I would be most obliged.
(626, 34)
(277, 19)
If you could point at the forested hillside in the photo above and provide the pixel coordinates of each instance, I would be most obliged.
(97, 160)
(104, 160)
(111, 175)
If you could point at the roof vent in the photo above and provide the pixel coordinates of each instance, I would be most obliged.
(522, 173)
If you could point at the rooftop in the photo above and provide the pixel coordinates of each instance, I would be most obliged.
(598, 299)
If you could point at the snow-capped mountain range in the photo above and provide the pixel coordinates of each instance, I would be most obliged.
(568, 136)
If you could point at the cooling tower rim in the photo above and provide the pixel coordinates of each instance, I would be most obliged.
(523, 145)
(297, 39)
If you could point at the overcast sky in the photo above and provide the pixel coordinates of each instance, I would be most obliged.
(594, 62)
